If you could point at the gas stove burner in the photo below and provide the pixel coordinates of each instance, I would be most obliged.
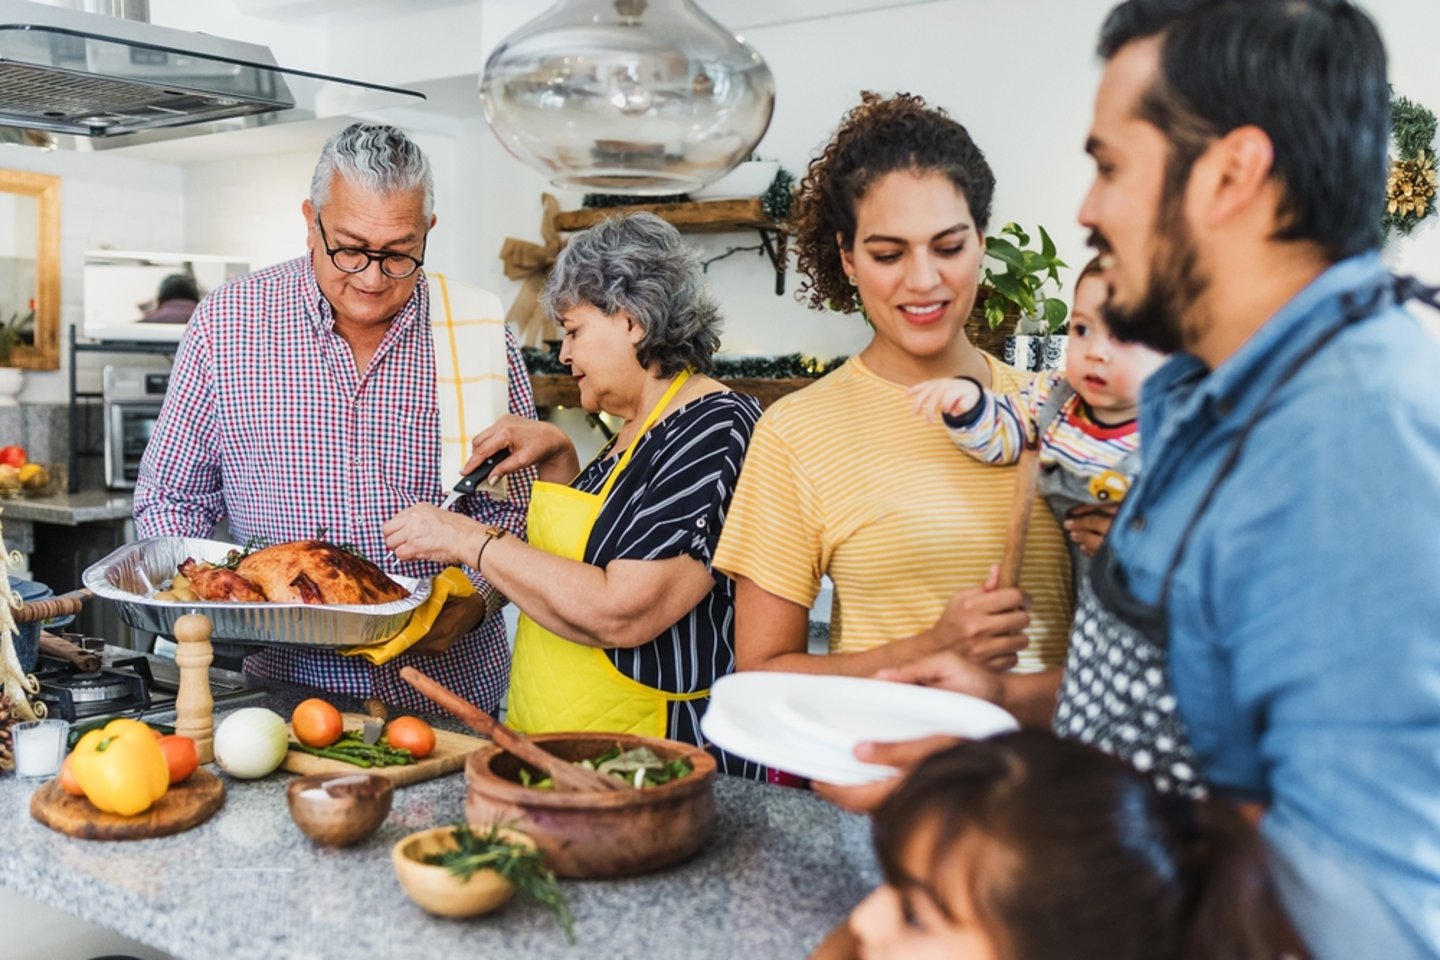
(129, 684)
(97, 688)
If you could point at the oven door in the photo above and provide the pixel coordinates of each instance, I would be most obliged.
(127, 429)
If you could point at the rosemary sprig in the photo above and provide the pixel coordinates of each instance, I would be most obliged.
(525, 868)
(233, 558)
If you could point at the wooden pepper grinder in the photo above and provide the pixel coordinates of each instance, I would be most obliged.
(194, 706)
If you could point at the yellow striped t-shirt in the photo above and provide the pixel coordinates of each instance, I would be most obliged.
(844, 478)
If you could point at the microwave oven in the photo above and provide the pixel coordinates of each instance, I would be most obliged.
(132, 398)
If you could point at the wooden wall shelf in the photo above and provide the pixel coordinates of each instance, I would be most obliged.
(559, 390)
(700, 216)
(697, 215)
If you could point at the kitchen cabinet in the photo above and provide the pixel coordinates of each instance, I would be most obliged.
(783, 868)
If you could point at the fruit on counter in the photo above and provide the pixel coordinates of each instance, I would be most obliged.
(121, 767)
(33, 476)
(413, 734)
(251, 743)
(182, 757)
(316, 723)
(14, 456)
(68, 783)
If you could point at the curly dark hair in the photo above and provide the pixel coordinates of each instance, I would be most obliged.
(879, 136)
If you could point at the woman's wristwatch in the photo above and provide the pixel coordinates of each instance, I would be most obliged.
(492, 532)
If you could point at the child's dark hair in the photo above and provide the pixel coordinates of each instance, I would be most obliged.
(1091, 269)
(879, 136)
(1081, 856)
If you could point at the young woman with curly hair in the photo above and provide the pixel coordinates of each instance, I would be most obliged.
(842, 478)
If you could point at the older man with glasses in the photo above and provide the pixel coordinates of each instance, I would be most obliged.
(303, 403)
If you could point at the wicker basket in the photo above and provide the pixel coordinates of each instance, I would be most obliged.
(979, 332)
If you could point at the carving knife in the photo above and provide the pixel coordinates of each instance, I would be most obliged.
(474, 478)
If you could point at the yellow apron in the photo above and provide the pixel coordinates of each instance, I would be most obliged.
(556, 684)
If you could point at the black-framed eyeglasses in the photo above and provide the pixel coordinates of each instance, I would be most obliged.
(396, 266)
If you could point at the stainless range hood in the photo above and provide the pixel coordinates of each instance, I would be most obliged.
(101, 81)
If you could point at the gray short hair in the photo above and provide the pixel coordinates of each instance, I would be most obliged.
(638, 263)
(377, 157)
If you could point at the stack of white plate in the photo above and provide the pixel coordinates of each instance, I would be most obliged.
(808, 725)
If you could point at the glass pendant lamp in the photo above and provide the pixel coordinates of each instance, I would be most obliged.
(644, 97)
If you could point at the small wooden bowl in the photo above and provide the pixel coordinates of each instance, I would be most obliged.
(605, 833)
(338, 809)
(439, 891)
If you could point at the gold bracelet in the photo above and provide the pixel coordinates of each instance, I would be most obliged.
(492, 532)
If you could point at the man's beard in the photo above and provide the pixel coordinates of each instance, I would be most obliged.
(1165, 318)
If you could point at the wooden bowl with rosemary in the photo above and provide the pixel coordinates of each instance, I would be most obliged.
(594, 834)
(460, 871)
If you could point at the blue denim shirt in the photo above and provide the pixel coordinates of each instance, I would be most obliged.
(1305, 615)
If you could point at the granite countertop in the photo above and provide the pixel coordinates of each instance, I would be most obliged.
(783, 868)
(70, 509)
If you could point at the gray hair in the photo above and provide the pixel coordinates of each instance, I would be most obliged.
(638, 264)
(376, 157)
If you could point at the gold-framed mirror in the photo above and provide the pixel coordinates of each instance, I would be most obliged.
(29, 270)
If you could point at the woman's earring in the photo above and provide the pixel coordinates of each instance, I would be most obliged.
(853, 281)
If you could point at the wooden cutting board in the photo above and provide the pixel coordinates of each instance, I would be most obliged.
(449, 755)
(185, 805)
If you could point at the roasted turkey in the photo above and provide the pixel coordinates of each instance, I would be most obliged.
(302, 571)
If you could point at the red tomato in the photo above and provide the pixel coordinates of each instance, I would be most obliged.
(316, 723)
(181, 756)
(413, 734)
(14, 456)
(68, 783)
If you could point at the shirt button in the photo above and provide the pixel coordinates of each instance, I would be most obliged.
(357, 461)
(700, 523)
(1138, 523)
(1224, 408)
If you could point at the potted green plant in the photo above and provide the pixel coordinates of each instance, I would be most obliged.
(1017, 302)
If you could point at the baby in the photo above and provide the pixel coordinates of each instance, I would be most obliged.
(1029, 847)
(1085, 416)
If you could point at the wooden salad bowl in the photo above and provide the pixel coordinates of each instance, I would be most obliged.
(597, 834)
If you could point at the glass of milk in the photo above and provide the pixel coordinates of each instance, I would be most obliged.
(39, 748)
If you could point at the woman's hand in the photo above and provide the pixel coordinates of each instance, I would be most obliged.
(532, 443)
(425, 532)
(986, 625)
(1087, 525)
(903, 755)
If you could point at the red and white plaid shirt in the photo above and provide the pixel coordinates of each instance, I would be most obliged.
(267, 423)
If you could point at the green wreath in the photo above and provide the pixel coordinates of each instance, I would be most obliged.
(1410, 190)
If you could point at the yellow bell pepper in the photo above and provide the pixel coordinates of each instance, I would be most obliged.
(121, 767)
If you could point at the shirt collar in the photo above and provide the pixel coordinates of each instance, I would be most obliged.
(1242, 380)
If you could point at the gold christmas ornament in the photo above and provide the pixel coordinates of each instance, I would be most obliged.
(1411, 188)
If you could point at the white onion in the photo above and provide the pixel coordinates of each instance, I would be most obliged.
(251, 743)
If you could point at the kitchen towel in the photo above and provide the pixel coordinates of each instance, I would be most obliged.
(450, 582)
(471, 371)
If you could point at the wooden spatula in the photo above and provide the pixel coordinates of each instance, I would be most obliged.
(565, 775)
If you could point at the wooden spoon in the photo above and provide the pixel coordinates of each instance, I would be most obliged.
(1027, 477)
(60, 606)
(565, 775)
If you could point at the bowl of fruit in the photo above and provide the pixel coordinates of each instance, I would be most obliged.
(20, 477)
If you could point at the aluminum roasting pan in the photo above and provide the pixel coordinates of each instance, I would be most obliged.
(135, 570)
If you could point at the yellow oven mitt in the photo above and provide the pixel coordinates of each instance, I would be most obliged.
(448, 583)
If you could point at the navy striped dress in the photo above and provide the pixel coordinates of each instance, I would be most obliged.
(670, 502)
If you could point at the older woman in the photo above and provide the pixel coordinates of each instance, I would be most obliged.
(843, 478)
(624, 626)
